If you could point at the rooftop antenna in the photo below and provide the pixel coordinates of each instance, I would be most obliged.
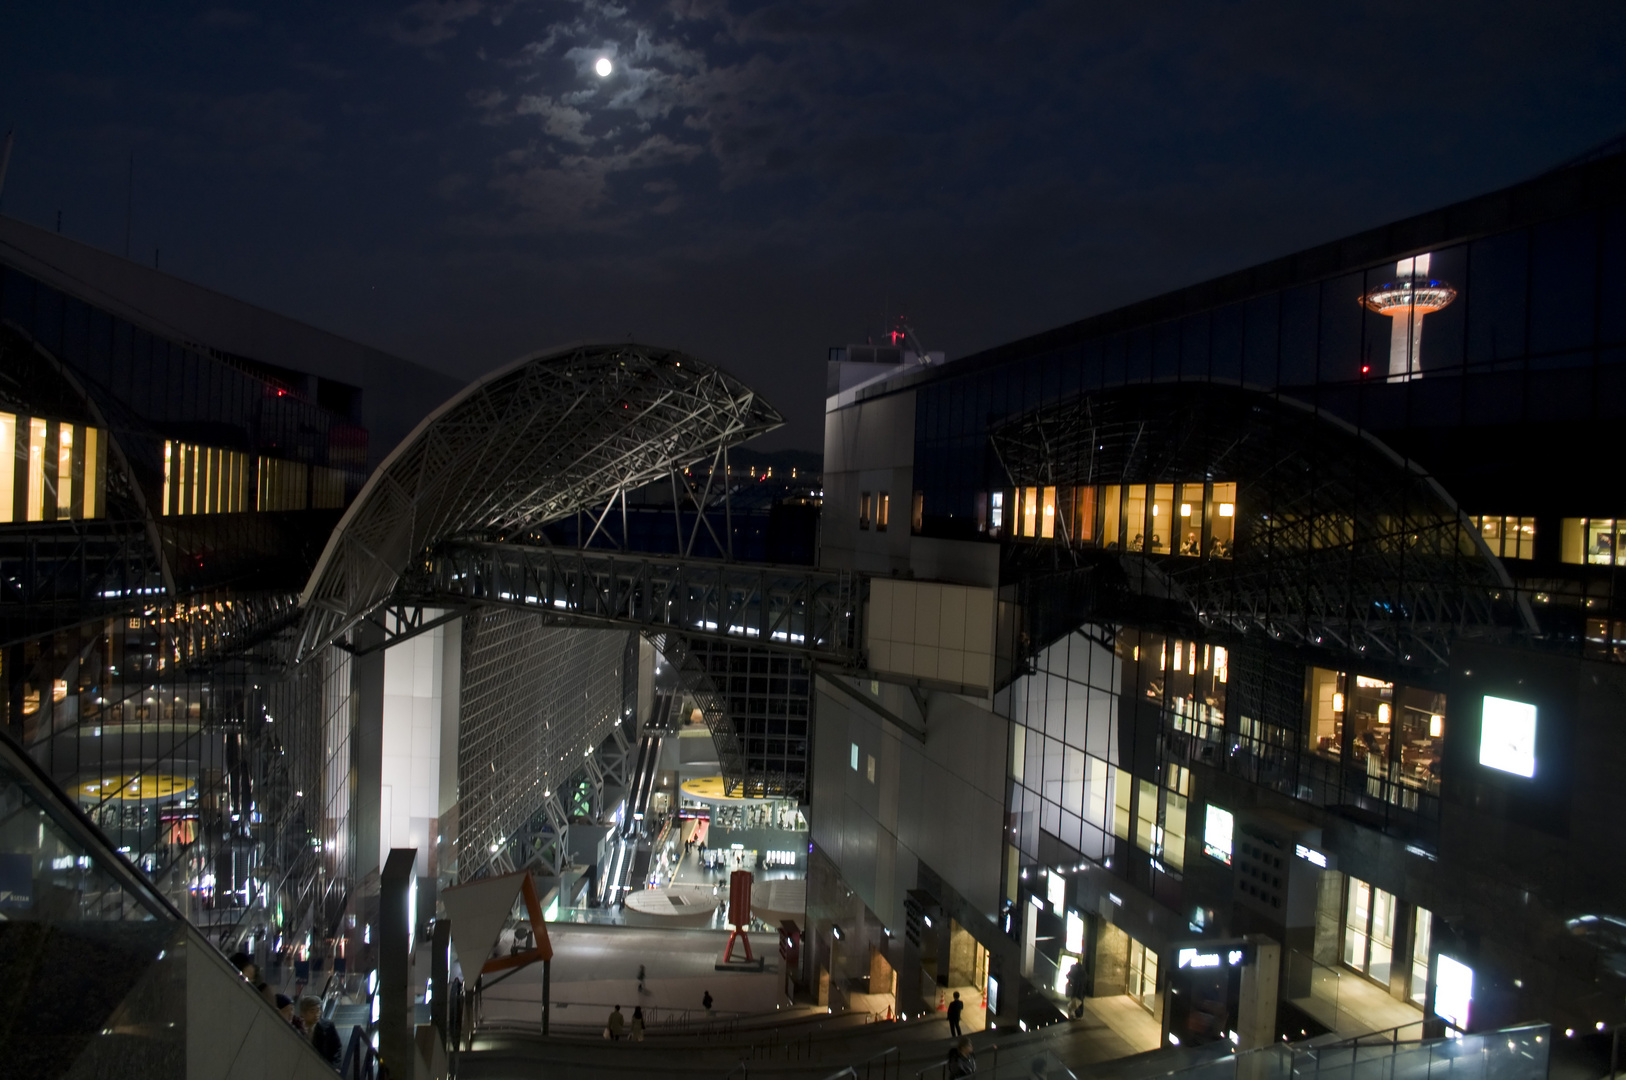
(5, 159)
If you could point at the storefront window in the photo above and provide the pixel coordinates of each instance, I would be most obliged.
(1369, 916)
(1143, 975)
(1421, 938)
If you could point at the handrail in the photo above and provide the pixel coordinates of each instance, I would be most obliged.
(1356, 1040)
(941, 1068)
(869, 1062)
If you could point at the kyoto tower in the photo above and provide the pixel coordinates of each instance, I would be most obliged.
(1406, 299)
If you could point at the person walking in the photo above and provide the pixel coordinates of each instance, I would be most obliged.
(638, 1023)
(615, 1024)
(956, 1007)
(961, 1062)
(706, 1002)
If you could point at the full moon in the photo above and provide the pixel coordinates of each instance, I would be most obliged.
(602, 66)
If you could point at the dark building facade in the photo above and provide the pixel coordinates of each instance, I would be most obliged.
(172, 462)
(1289, 603)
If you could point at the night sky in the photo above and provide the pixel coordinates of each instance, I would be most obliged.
(755, 182)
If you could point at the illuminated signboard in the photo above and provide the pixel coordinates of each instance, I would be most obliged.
(1217, 827)
(1507, 736)
(1056, 890)
(1310, 855)
(1075, 933)
(1210, 958)
(1453, 991)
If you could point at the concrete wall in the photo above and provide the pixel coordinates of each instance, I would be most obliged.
(940, 803)
(868, 447)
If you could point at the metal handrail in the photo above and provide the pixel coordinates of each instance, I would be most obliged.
(941, 1068)
(869, 1063)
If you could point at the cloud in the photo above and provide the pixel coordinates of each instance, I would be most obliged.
(430, 22)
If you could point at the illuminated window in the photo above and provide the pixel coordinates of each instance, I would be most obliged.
(282, 485)
(204, 480)
(63, 466)
(327, 489)
(1513, 537)
(1047, 514)
(996, 509)
(883, 511)
(1591, 540)
(1030, 512)
(917, 512)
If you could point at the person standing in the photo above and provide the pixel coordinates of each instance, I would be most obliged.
(956, 1007)
(245, 967)
(638, 1023)
(323, 1035)
(961, 1062)
(615, 1024)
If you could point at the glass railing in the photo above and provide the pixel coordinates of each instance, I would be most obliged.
(1518, 1053)
(110, 971)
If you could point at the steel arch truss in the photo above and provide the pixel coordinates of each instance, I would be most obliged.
(1339, 541)
(547, 437)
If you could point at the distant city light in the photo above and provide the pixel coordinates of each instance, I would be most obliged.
(603, 67)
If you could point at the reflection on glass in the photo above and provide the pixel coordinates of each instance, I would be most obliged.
(1357, 915)
(1158, 519)
(1421, 937)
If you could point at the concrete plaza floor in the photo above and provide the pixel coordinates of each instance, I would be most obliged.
(596, 968)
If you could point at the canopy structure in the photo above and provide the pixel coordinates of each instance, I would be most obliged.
(1338, 540)
(551, 435)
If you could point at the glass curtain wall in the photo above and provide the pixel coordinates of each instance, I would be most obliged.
(1521, 327)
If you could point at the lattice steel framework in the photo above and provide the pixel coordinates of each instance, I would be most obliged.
(1339, 541)
(548, 436)
(537, 703)
(792, 609)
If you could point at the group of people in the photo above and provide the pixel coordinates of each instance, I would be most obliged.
(305, 1015)
(617, 1024)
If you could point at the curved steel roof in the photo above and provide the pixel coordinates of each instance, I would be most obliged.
(547, 436)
